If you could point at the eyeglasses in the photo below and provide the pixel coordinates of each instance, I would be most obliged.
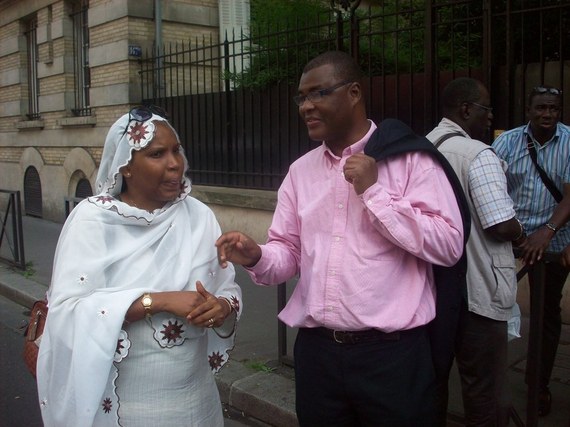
(317, 95)
(550, 90)
(484, 107)
(143, 113)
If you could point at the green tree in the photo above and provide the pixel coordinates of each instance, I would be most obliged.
(285, 34)
(277, 31)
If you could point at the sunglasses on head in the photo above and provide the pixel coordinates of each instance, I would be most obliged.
(550, 90)
(143, 113)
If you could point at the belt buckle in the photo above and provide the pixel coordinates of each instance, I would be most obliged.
(342, 337)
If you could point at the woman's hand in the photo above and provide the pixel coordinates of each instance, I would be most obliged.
(199, 307)
(212, 312)
(179, 303)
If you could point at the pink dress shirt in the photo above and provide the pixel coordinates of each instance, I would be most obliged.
(363, 261)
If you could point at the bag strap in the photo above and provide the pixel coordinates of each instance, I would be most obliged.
(446, 137)
(545, 178)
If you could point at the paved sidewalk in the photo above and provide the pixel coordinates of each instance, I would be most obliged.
(253, 383)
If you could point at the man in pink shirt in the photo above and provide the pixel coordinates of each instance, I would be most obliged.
(362, 236)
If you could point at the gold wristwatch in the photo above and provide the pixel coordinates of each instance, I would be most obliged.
(147, 304)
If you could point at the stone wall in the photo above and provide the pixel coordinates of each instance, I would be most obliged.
(51, 142)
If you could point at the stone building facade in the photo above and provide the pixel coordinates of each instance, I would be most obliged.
(68, 69)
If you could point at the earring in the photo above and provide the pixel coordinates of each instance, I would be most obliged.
(128, 175)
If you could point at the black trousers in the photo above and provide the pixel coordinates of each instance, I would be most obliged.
(481, 357)
(554, 278)
(382, 383)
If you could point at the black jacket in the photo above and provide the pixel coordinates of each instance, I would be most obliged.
(393, 137)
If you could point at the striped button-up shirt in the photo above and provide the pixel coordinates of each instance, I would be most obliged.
(533, 202)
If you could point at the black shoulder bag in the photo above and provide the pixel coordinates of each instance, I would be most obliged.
(545, 178)
(446, 137)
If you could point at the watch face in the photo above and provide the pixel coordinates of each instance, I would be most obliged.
(147, 301)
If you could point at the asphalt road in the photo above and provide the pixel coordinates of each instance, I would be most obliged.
(18, 395)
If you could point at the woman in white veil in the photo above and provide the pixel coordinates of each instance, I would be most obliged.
(140, 313)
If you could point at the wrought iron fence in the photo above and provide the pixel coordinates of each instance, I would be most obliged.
(12, 230)
(535, 337)
(231, 101)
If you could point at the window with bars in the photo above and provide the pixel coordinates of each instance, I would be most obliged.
(81, 70)
(234, 23)
(33, 81)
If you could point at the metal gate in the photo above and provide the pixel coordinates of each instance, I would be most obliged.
(231, 102)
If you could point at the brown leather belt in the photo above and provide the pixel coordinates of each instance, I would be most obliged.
(355, 337)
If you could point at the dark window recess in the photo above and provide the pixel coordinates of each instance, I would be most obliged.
(83, 189)
(33, 193)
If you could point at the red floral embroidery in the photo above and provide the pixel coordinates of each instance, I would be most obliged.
(120, 346)
(104, 199)
(172, 331)
(215, 360)
(137, 132)
(107, 405)
(235, 303)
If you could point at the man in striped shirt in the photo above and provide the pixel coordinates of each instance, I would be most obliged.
(544, 219)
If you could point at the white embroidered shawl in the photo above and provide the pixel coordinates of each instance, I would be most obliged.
(108, 255)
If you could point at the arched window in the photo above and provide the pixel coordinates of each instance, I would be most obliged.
(83, 189)
(32, 192)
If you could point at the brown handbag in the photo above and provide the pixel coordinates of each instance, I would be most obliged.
(33, 334)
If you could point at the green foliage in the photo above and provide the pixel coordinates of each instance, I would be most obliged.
(396, 42)
(273, 53)
(398, 34)
(259, 366)
(30, 271)
(285, 34)
(270, 14)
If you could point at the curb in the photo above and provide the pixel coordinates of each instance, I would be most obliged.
(15, 286)
(263, 398)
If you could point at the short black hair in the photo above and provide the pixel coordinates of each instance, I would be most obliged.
(459, 91)
(346, 68)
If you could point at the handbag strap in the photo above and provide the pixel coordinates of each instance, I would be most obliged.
(446, 137)
(545, 178)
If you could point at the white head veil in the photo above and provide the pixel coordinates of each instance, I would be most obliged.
(118, 150)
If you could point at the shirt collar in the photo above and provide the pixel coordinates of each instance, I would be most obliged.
(451, 125)
(528, 131)
(357, 147)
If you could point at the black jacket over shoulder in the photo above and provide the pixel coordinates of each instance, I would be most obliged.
(393, 137)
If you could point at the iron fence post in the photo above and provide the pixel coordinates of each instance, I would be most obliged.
(17, 223)
(535, 342)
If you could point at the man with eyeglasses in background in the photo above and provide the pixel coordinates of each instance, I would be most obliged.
(363, 236)
(481, 338)
(543, 217)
